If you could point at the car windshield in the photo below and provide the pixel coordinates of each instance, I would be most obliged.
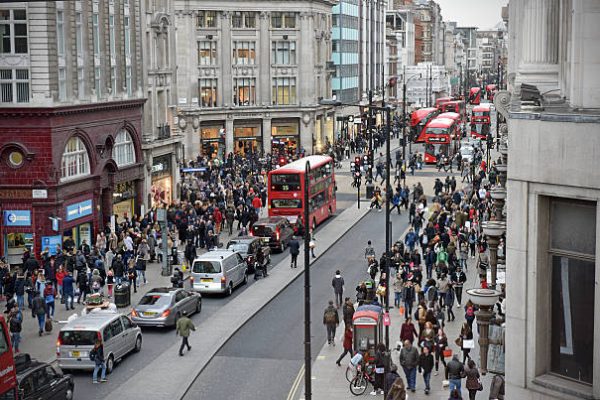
(155, 300)
(78, 338)
(206, 267)
(242, 247)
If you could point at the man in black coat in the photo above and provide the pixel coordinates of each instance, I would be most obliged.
(294, 246)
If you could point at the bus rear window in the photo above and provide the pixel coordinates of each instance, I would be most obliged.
(78, 338)
(285, 182)
(286, 203)
(437, 131)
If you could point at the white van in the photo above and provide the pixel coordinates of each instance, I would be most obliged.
(218, 271)
(76, 339)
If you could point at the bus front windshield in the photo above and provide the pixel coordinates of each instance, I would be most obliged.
(437, 131)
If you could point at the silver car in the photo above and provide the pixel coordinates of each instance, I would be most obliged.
(163, 306)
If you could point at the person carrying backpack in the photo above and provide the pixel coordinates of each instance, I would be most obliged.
(15, 323)
(331, 320)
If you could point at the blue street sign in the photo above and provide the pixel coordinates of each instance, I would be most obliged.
(17, 218)
(79, 210)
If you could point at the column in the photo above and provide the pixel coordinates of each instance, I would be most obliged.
(228, 136)
(266, 135)
(264, 48)
(307, 126)
(306, 56)
(539, 44)
(225, 59)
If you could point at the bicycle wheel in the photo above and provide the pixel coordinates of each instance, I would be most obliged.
(351, 372)
(358, 386)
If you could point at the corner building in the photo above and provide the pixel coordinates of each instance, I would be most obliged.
(250, 76)
(70, 121)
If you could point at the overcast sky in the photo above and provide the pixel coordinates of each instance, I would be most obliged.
(483, 14)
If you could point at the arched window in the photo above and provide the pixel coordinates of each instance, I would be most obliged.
(124, 150)
(75, 160)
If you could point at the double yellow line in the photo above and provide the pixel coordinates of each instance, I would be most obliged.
(296, 384)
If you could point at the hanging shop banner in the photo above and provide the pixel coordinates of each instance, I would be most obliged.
(50, 243)
(79, 210)
(17, 218)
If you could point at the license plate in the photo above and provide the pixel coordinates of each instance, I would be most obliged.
(206, 280)
(75, 354)
(149, 314)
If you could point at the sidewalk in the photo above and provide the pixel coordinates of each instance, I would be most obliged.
(329, 381)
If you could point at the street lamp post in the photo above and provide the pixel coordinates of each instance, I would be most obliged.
(404, 82)
(485, 299)
(493, 230)
(307, 355)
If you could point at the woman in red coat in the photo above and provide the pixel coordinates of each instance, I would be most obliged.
(348, 336)
(408, 331)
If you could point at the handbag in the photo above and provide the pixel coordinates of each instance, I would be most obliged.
(459, 342)
(480, 388)
(468, 344)
(311, 244)
(447, 353)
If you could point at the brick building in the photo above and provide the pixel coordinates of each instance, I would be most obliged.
(70, 121)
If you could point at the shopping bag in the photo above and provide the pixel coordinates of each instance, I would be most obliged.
(401, 310)
(468, 344)
(447, 353)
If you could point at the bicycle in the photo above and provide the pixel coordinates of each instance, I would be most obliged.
(358, 385)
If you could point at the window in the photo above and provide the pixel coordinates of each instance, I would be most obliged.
(124, 151)
(243, 20)
(111, 31)
(572, 257)
(96, 34)
(60, 33)
(244, 53)
(244, 91)
(75, 161)
(14, 85)
(283, 20)
(116, 328)
(207, 52)
(113, 78)
(128, 80)
(207, 19)
(62, 84)
(127, 37)
(283, 52)
(208, 92)
(284, 91)
(98, 81)
(13, 32)
(78, 34)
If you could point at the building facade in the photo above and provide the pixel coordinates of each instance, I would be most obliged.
(345, 35)
(70, 120)
(372, 44)
(553, 213)
(250, 80)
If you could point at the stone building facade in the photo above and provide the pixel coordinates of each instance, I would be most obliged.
(250, 76)
(70, 120)
(553, 213)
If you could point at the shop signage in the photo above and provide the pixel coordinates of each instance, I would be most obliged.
(79, 210)
(39, 193)
(15, 194)
(17, 218)
(50, 243)
(161, 164)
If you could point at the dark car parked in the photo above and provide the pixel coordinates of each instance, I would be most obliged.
(277, 229)
(42, 381)
(248, 247)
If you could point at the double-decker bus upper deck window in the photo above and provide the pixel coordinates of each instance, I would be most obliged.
(478, 113)
(285, 182)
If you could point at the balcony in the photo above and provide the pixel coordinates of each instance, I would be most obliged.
(164, 132)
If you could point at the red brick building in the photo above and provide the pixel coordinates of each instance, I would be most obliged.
(78, 164)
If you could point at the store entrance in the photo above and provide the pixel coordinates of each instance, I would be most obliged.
(246, 146)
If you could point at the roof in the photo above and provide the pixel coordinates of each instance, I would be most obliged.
(215, 255)
(91, 321)
(269, 221)
(450, 115)
(161, 290)
(243, 239)
(440, 123)
(300, 165)
(423, 112)
(482, 107)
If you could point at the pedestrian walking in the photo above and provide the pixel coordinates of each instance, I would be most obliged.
(312, 244)
(348, 312)
(49, 296)
(409, 360)
(379, 362)
(425, 367)
(97, 355)
(294, 246)
(68, 294)
(408, 331)
(369, 251)
(397, 391)
(348, 336)
(455, 371)
(497, 388)
(390, 378)
(38, 310)
(441, 343)
(338, 288)
(15, 324)
(183, 328)
(331, 320)
(473, 384)
(466, 335)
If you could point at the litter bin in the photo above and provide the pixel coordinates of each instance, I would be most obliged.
(123, 295)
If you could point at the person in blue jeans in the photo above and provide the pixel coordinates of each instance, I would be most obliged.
(97, 355)
(455, 371)
(409, 360)
(38, 309)
(426, 366)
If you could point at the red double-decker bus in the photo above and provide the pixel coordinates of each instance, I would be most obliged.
(480, 121)
(456, 106)
(457, 134)
(8, 372)
(441, 101)
(418, 121)
(438, 138)
(286, 189)
(475, 95)
(489, 91)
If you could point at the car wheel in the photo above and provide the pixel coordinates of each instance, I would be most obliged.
(281, 247)
(69, 393)
(245, 281)
(138, 344)
(269, 260)
(199, 306)
(110, 364)
(229, 290)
